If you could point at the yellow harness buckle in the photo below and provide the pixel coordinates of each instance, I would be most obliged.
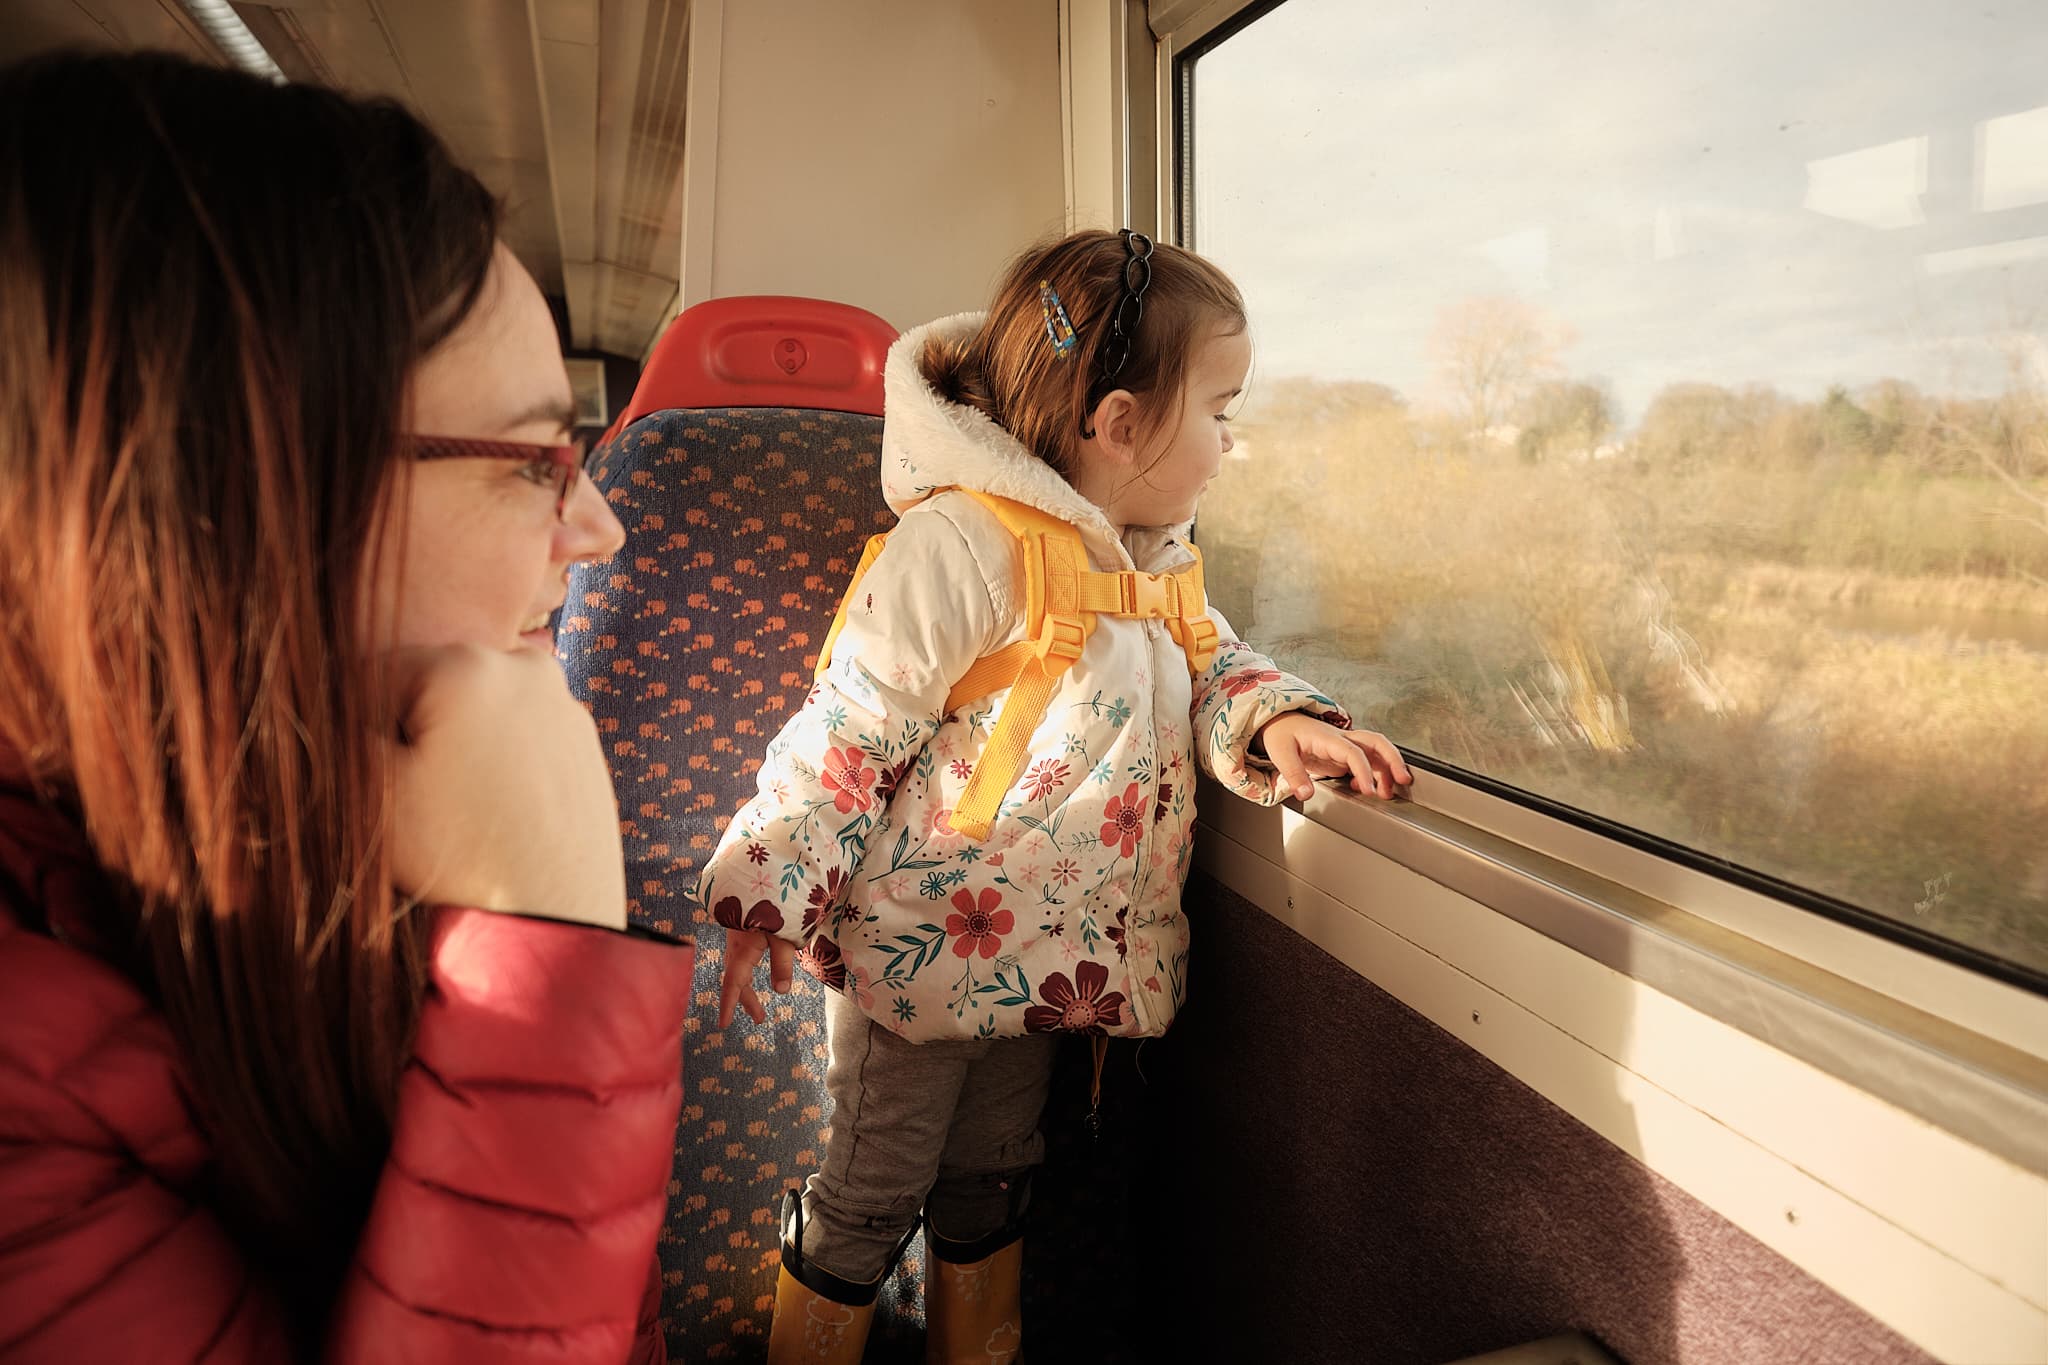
(1060, 642)
(1198, 639)
(1148, 594)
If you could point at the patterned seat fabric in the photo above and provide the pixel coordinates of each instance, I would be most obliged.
(691, 649)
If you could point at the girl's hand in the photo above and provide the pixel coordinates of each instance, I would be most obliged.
(1302, 748)
(504, 800)
(743, 949)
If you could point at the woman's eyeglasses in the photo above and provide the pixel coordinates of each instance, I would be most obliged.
(571, 460)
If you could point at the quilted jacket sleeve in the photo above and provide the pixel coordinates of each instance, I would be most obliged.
(101, 1256)
(517, 1215)
(918, 620)
(1238, 693)
(515, 1220)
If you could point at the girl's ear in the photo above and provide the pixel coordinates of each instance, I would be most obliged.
(1115, 423)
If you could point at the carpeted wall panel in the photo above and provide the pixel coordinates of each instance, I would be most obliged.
(1351, 1183)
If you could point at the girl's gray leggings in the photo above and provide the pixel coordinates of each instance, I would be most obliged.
(951, 1127)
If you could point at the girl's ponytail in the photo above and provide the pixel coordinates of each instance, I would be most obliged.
(953, 366)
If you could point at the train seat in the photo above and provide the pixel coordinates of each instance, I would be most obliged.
(746, 473)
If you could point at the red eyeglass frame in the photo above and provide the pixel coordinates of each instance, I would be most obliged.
(572, 458)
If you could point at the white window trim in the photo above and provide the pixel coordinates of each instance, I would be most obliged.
(1925, 1229)
(1106, 95)
(1178, 25)
(1993, 1010)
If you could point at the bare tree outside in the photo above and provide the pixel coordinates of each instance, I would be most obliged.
(1490, 352)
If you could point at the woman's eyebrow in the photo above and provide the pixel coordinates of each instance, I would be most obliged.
(561, 411)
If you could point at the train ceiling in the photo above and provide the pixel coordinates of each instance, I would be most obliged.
(571, 110)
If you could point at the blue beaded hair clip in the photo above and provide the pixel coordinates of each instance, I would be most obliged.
(1058, 329)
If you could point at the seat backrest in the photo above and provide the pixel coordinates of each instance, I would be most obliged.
(764, 350)
(744, 516)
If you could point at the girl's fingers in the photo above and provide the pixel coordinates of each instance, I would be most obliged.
(1286, 757)
(739, 991)
(1388, 755)
(1381, 781)
(1371, 762)
(743, 953)
(1360, 767)
(1374, 764)
(736, 984)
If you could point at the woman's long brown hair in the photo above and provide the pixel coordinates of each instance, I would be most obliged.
(212, 293)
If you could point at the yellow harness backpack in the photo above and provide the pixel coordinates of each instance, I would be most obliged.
(1062, 598)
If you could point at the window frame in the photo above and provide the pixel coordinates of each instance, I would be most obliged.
(1952, 986)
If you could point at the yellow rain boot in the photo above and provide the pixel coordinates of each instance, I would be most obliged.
(820, 1318)
(974, 1309)
(814, 1329)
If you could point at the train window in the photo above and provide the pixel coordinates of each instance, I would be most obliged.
(1651, 416)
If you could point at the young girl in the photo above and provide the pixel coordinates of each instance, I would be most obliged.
(970, 900)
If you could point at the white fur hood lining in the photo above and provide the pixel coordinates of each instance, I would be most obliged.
(929, 443)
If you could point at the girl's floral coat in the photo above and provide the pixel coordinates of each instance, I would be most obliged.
(1068, 915)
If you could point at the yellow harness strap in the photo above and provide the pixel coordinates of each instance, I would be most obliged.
(1063, 596)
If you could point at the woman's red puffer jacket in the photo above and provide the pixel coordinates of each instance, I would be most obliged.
(514, 1221)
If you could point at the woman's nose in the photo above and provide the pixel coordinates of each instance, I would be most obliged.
(595, 533)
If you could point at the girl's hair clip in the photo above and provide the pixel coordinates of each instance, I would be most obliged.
(1058, 329)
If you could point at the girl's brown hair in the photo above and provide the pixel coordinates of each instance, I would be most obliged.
(213, 292)
(1011, 371)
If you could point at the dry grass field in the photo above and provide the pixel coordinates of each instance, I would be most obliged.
(1811, 638)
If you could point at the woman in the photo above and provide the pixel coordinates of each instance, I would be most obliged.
(286, 504)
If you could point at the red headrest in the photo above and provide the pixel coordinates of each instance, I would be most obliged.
(765, 351)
